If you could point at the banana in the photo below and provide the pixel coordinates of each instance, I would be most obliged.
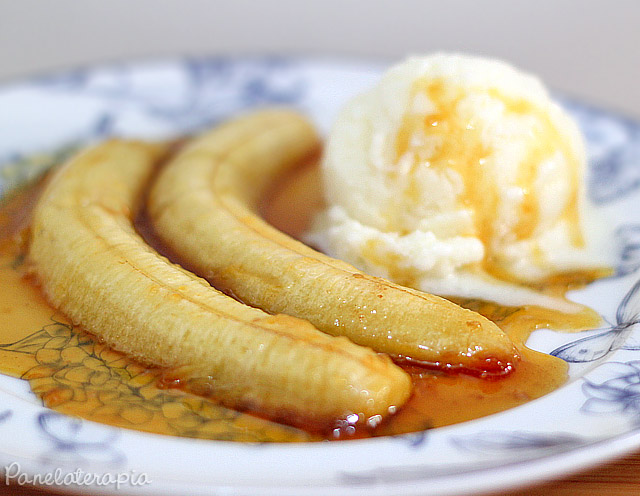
(94, 266)
(203, 206)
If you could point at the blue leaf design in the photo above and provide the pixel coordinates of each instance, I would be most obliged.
(613, 145)
(77, 441)
(503, 449)
(620, 393)
(210, 89)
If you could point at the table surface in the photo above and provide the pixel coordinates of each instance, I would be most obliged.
(618, 478)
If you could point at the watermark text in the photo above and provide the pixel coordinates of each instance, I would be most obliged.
(13, 474)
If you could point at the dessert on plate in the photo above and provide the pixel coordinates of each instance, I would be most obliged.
(459, 176)
(453, 177)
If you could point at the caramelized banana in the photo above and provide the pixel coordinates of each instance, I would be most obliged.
(203, 206)
(94, 266)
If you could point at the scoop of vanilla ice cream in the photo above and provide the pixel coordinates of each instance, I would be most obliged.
(458, 176)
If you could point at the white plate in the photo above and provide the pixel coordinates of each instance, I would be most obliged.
(592, 418)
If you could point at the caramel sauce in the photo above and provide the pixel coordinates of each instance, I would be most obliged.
(454, 143)
(72, 372)
(440, 398)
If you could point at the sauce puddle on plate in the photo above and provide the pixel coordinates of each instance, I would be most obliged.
(73, 373)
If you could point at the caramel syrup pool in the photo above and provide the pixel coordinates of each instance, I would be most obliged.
(74, 373)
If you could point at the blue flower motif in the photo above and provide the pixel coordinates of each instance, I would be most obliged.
(205, 90)
(614, 151)
(502, 449)
(75, 441)
(618, 394)
(616, 174)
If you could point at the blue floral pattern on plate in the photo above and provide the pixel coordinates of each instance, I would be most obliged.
(619, 393)
(618, 336)
(614, 151)
(210, 90)
(77, 442)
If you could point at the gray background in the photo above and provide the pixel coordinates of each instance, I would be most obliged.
(587, 48)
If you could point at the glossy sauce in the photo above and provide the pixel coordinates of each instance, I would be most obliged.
(439, 398)
(74, 373)
(459, 147)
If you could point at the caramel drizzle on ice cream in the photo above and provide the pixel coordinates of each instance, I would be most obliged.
(433, 134)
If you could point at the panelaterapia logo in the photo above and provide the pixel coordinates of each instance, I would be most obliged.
(13, 474)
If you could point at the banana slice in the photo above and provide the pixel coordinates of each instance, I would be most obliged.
(203, 206)
(95, 267)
